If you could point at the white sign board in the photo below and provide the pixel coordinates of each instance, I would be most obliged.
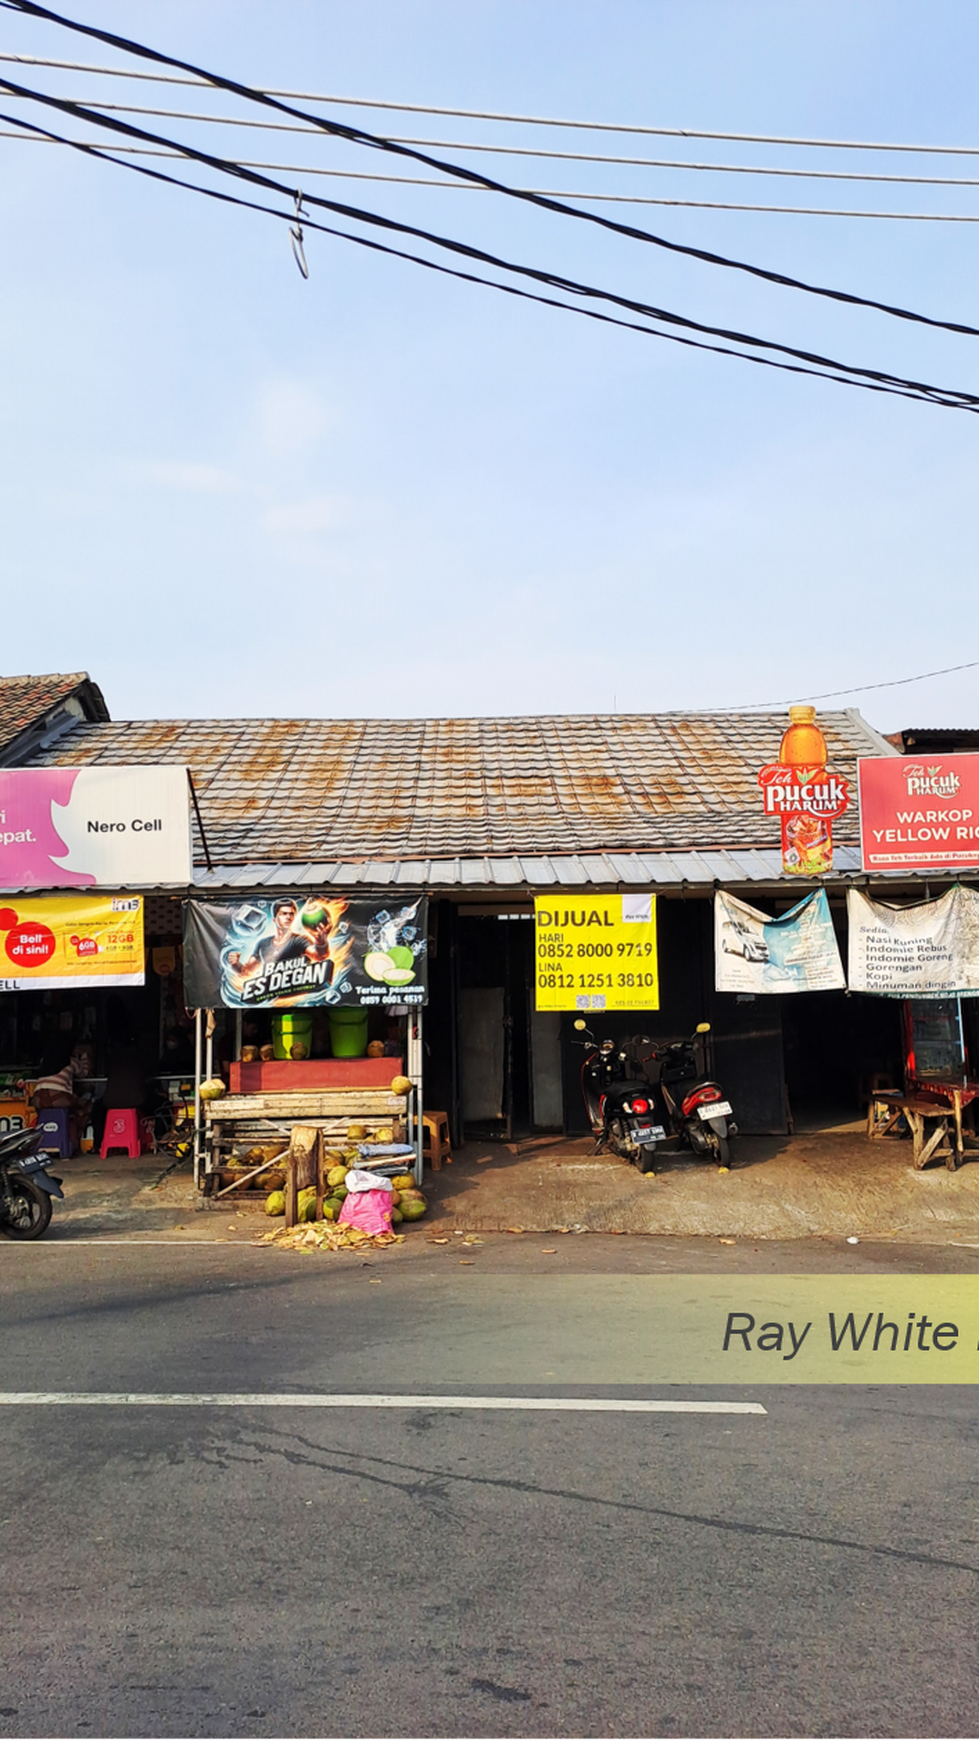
(94, 827)
(927, 950)
(797, 951)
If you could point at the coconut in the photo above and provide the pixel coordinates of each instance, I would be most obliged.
(378, 964)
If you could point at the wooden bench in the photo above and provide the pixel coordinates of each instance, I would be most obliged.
(942, 1141)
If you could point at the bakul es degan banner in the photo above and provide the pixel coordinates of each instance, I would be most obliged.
(68, 941)
(596, 951)
(89, 827)
(301, 950)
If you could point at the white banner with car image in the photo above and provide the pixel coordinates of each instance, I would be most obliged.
(755, 953)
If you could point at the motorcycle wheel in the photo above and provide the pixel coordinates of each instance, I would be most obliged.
(723, 1153)
(29, 1213)
(617, 1141)
(646, 1160)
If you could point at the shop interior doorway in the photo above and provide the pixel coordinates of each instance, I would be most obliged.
(837, 1047)
(509, 1053)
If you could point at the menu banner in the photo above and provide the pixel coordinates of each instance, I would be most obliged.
(68, 941)
(797, 951)
(919, 812)
(596, 951)
(927, 950)
(301, 950)
(94, 827)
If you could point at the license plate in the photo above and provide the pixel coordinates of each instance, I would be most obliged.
(716, 1109)
(643, 1133)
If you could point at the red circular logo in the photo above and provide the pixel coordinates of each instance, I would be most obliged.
(8, 918)
(30, 945)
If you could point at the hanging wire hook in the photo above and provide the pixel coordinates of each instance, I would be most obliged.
(296, 235)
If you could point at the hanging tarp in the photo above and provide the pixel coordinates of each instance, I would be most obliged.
(300, 950)
(930, 949)
(796, 952)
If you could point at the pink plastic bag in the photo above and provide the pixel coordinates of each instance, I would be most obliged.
(370, 1210)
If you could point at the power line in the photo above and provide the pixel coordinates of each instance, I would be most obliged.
(858, 688)
(358, 136)
(554, 280)
(506, 289)
(307, 169)
(532, 151)
(203, 80)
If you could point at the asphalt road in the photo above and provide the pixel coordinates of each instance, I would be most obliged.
(238, 1571)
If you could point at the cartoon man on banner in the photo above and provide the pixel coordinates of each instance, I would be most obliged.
(296, 940)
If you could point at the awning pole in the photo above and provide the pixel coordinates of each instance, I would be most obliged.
(416, 1099)
(197, 1099)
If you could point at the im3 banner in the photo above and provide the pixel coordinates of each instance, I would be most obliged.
(300, 950)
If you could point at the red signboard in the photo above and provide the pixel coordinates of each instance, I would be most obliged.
(919, 812)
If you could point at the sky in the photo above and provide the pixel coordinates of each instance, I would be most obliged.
(229, 491)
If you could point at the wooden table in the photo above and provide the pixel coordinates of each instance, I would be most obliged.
(944, 1139)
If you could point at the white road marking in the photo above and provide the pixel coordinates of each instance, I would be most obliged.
(206, 1399)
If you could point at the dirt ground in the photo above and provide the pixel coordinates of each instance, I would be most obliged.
(813, 1184)
(832, 1184)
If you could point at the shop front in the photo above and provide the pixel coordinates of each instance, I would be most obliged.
(92, 1011)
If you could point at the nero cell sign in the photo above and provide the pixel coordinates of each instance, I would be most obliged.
(596, 951)
(94, 827)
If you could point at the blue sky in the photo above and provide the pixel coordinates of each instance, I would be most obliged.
(227, 491)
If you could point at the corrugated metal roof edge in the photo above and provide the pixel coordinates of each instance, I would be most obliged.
(677, 870)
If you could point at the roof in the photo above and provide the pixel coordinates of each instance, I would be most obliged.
(939, 739)
(32, 706)
(514, 877)
(363, 791)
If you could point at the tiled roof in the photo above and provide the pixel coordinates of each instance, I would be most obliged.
(309, 790)
(25, 701)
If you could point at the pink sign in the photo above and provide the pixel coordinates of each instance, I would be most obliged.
(94, 827)
(919, 812)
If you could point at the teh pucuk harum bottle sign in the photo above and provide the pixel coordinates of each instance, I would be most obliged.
(801, 790)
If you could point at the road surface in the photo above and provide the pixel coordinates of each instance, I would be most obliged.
(274, 1570)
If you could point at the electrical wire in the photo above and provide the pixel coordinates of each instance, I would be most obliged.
(307, 169)
(553, 280)
(203, 81)
(507, 289)
(356, 136)
(857, 689)
(531, 151)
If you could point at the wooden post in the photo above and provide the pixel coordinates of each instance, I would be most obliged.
(291, 1191)
(306, 1162)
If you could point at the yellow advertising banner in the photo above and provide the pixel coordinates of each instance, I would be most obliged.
(596, 951)
(65, 940)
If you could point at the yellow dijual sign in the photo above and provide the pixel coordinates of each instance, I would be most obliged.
(71, 940)
(596, 951)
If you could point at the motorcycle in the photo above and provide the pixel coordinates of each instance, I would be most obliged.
(632, 1115)
(26, 1186)
(621, 1108)
(695, 1106)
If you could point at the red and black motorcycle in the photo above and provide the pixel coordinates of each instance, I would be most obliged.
(634, 1113)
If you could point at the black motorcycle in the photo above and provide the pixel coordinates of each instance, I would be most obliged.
(620, 1102)
(26, 1186)
(695, 1107)
(632, 1112)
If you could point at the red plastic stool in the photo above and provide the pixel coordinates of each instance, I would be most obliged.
(122, 1131)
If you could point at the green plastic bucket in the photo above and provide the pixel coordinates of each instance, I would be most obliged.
(348, 1032)
(292, 1027)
